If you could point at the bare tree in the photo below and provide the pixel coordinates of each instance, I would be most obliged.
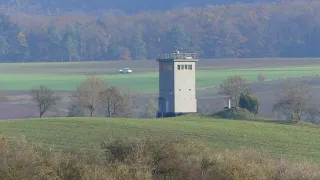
(89, 93)
(117, 103)
(45, 98)
(149, 110)
(294, 102)
(233, 86)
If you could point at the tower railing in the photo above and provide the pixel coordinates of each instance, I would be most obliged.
(178, 56)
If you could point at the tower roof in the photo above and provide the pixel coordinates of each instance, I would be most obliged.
(177, 56)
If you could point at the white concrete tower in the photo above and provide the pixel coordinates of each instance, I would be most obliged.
(177, 84)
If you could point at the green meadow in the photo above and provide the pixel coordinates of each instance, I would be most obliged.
(293, 141)
(66, 76)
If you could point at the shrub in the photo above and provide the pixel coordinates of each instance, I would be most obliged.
(147, 158)
(261, 77)
(75, 110)
(237, 113)
(250, 102)
(167, 158)
(118, 150)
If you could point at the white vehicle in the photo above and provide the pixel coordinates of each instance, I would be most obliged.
(125, 71)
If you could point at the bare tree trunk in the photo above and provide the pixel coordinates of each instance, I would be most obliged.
(109, 109)
(299, 116)
(44, 98)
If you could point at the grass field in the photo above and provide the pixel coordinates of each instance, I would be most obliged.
(293, 141)
(66, 76)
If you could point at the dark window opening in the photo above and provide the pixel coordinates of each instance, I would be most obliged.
(186, 66)
(163, 67)
(178, 67)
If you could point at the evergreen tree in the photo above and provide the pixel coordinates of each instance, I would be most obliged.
(248, 101)
(138, 47)
(4, 46)
(177, 39)
(54, 33)
(72, 48)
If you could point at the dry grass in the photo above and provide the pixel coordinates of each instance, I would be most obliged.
(146, 159)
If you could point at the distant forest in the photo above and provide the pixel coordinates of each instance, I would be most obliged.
(280, 29)
(100, 6)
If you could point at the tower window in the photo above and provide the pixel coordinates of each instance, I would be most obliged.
(178, 67)
(163, 67)
(182, 67)
(190, 67)
(186, 66)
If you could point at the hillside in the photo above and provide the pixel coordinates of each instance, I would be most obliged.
(240, 113)
(293, 141)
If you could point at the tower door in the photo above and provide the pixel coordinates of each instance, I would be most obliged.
(162, 105)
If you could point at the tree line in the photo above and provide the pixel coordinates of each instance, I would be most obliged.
(98, 6)
(294, 100)
(91, 97)
(286, 29)
(95, 98)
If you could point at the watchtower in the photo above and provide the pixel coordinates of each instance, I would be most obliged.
(177, 84)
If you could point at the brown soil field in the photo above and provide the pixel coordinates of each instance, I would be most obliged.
(218, 63)
(112, 67)
(152, 65)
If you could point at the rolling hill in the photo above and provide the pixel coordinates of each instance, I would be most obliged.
(281, 139)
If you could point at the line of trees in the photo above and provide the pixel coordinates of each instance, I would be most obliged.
(92, 96)
(99, 6)
(294, 101)
(286, 29)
